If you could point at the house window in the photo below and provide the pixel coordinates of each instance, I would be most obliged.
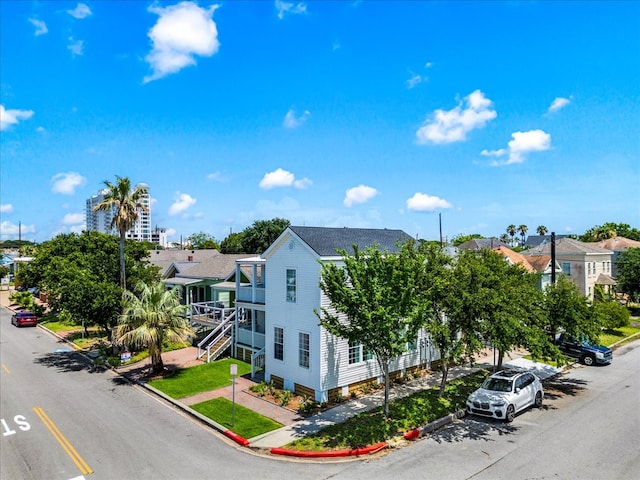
(278, 343)
(354, 352)
(566, 268)
(367, 355)
(291, 285)
(303, 349)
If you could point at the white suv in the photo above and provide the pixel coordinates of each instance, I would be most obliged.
(506, 393)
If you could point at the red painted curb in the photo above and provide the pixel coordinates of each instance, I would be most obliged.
(412, 434)
(333, 453)
(236, 438)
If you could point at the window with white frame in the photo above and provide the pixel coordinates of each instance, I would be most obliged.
(291, 285)
(566, 268)
(354, 352)
(303, 349)
(278, 343)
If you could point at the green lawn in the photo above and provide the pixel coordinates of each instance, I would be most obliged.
(247, 423)
(406, 414)
(201, 378)
(609, 337)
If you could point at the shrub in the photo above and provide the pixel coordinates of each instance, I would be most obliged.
(260, 389)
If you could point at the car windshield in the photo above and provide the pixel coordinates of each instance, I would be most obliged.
(497, 384)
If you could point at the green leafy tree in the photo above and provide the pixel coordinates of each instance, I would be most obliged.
(203, 241)
(80, 274)
(611, 315)
(4, 271)
(126, 202)
(504, 238)
(567, 310)
(610, 230)
(370, 301)
(259, 236)
(460, 239)
(542, 230)
(232, 244)
(433, 295)
(150, 318)
(628, 265)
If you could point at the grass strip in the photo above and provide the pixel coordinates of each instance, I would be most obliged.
(240, 420)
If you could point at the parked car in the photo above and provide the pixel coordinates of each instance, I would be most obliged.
(24, 319)
(585, 351)
(506, 393)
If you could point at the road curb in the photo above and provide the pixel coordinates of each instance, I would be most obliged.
(435, 425)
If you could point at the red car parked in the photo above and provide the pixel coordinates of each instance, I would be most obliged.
(21, 319)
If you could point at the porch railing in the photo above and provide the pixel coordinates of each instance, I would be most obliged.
(257, 361)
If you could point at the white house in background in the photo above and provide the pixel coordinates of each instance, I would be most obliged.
(277, 315)
(585, 264)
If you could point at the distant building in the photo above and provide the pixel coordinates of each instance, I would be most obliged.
(140, 230)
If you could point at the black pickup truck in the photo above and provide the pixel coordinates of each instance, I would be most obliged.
(585, 351)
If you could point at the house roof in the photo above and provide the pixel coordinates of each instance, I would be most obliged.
(617, 243)
(514, 258)
(326, 240)
(221, 266)
(480, 243)
(540, 262)
(604, 279)
(536, 240)
(567, 246)
(180, 259)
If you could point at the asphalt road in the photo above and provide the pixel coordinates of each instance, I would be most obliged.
(61, 422)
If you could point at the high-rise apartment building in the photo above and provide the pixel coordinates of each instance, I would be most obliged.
(140, 230)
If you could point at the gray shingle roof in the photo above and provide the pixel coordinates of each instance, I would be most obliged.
(326, 240)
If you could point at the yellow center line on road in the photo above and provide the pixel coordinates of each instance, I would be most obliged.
(4, 367)
(64, 443)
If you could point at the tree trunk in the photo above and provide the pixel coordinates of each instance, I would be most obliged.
(500, 359)
(445, 374)
(386, 389)
(157, 366)
(123, 277)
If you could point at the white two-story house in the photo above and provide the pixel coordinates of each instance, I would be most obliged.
(276, 322)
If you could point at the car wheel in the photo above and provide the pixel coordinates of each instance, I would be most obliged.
(588, 360)
(538, 401)
(511, 413)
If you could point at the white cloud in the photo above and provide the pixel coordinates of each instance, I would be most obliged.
(359, 194)
(8, 229)
(41, 27)
(291, 121)
(214, 176)
(6, 208)
(183, 201)
(287, 7)
(421, 202)
(453, 125)
(171, 232)
(12, 117)
(521, 144)
(78, 228)
(81, 11)
(73, 219)
(66, 183)
(76, 47)
(182, 31)
(415, 80)
(283, 178)
(558, 103)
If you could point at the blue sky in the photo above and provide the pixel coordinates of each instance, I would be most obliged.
(359, 114)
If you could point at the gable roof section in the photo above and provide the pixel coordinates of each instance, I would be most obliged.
(221, 266)
(514, 258)
(540, 263)
(568, 246)
(480, 243)
(617, 243)
(324, 241)
(536, 240)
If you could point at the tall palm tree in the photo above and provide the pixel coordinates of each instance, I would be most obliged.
(504, 238)
(542, 230)
(127, 203)
(150, 318)
(511, 231)
(522, 229)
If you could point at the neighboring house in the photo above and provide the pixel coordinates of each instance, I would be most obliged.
(617, 245)
(278, 329)
(514, 258)
(542, 264)
(538, 240)
(585, 264)
(482, 243)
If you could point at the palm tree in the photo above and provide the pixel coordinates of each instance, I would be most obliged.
(126, 203)
(542, 230)
(150, 318)
(511, 231)
(522, 229)
(504, 238)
